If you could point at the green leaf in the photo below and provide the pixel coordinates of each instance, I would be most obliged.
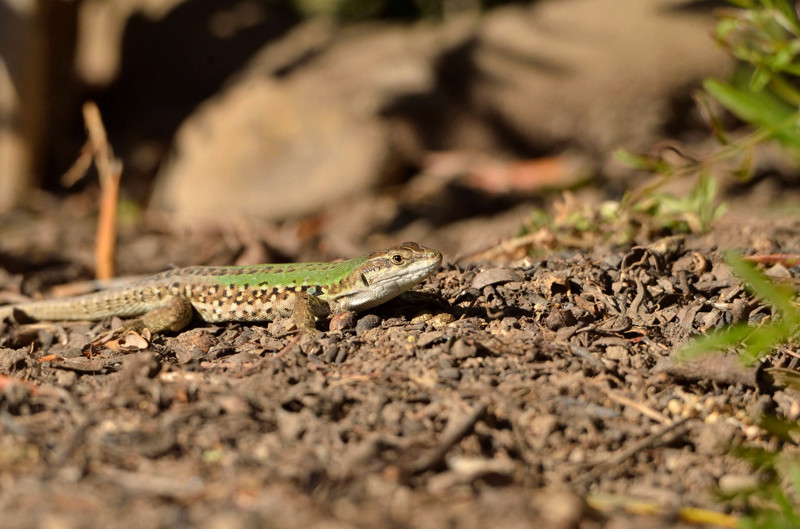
(755, 341)
(794, 475)
(637, 161)
(759, 108)
(759, 79)
(779, 297)
(787, 9)
(764, 340)
(725, 27)
(727, 338)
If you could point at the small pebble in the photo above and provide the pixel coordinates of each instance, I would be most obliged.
(561, 509)
(674, 406)
(450, 373)
(732, 483)
(794, 410)
(343, 320)
(441, 320)
(560, 318)
(370, 321)
(342, 356)
(577, 456)
(752, 432)
(461, 349)
(422, 318)
(330, 352)
(429, 338)
(495, 276)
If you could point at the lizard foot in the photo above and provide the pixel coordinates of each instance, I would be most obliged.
(132, 335)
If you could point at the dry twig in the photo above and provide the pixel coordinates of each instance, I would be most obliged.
(109, 170)
(449, 440)
(647, 442)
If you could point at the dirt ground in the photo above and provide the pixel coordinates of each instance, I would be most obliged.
(551, 399)
(517, 387)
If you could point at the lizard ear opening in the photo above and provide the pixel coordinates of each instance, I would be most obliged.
(364, 280)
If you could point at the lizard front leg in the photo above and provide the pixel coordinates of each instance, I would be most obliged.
(306, 311)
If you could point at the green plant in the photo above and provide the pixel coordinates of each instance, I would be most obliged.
(693, 213)
(570, 223)
(754, 342)
(764, 36)
(774, 501)
(644, 212)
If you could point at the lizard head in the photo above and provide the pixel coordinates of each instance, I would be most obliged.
(387, 273)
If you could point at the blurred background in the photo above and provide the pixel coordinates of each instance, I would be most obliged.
(416, 119)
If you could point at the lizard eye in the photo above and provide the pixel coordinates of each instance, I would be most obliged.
(397, 258)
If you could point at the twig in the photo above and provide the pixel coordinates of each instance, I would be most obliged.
(584, 354)
(609, 503)
(450, 439)
(629, 452)
(356, 377)
(786, 259)
(641, 408)
(288, 347)
(109, 170)
(504, 247)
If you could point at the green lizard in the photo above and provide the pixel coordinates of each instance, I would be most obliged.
(305, 291)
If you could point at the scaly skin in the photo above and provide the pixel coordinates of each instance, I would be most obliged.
(307, 291)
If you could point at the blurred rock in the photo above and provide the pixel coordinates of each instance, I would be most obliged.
(284, 145)
(359, 104)
(599, 73)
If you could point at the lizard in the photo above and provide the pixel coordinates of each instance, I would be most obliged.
(264, 292)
